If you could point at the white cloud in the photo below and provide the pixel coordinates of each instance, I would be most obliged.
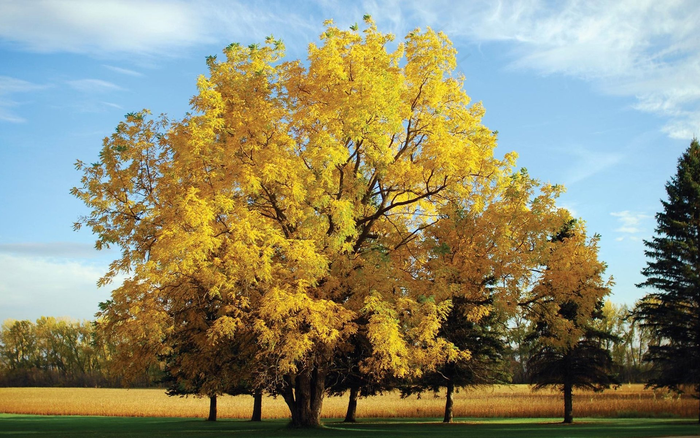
(70, 250)
(31, 287)
(93, 86)
(587, 162)
(124, 71)
(630, 224)
(10, 86)
(643, 49)
(88, 26)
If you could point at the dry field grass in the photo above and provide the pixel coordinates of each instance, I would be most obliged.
(500, 401)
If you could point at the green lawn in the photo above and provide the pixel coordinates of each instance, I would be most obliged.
(69, 426)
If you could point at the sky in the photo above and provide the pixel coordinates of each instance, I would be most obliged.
(602, 97)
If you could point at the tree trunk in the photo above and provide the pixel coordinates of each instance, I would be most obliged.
(352, 405)
(212, 408)
(303, 394)
(568, 403)
(257, 406)
(449, 403)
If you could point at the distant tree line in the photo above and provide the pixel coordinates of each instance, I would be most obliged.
(63, 352)
(58, 352)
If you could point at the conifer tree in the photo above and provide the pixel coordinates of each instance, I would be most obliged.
(672, 311)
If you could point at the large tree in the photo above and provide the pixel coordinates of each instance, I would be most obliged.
(672, 311)
(297, 194)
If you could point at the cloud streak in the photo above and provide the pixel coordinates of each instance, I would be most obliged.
(10, 86)
(630, 224)
(31, 287)
(93, 86)
(643, 49)
(86, 26)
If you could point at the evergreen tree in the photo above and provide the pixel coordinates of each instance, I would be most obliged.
(672, 312)
(586, 364)
(485, 341)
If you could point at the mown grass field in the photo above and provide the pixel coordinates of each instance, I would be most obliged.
(513, 401)
(72, 426)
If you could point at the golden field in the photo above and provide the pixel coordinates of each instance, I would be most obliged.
(498, 401)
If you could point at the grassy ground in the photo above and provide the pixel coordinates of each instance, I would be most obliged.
(72, 426)
(516, 401)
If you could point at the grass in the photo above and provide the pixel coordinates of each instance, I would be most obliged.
(513, 401)
(77, 426)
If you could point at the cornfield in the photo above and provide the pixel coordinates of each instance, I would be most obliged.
(497, 401)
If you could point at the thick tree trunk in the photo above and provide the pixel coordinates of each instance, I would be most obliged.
(352, 405)
(257, 406)
(568, 403)
(212, 408)
(303, 394)
(449, 403)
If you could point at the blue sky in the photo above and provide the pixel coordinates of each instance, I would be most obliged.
(600, 96)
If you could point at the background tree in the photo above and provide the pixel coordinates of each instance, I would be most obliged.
(51, 352)
(480, 258)
(568, 350)
(632, 342)
(486, 365)
(672, 312)
(348, 376)
(519, 351)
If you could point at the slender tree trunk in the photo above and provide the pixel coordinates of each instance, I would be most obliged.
(257, 405)
(212, 408)
(303, 394)
(352, 405)
(449, 403)
(568, 403)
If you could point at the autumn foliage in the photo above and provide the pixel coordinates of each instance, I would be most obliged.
(303, 204)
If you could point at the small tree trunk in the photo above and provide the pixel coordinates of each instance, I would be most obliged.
(257, 405)
(568, 403)
(212, 408)
(352, 405)
(449, 403)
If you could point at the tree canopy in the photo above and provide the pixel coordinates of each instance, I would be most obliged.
(302, 204)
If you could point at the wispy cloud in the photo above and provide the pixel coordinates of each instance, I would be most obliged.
(10, 86)
(630, 224)
(50, 249)
(33, 286)
(112, 105)
(86, 26)
(643, 49)
(124, 71)
(586, 163)
(93, 86)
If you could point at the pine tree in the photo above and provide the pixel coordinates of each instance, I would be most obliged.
(672, 312)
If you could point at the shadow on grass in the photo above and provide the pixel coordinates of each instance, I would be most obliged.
(72, 426)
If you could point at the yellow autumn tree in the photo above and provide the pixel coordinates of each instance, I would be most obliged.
(568, 347)
(482, 259)
(296, 197)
